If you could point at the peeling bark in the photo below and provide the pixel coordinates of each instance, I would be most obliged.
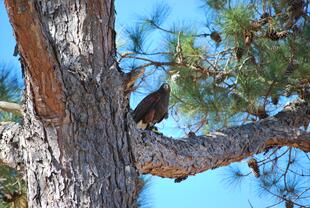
(167, 157)
(39, 56)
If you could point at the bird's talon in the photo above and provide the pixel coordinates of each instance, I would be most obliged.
(155, 130)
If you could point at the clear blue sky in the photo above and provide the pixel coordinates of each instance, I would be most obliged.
(201, 191)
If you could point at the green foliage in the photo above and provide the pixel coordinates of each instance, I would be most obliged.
(259, 59)
(12, 187)
(9, 88)
(235, 20)
(159, 14)
(267, 68)
(10, 91)
(137, 35)
(215, 4)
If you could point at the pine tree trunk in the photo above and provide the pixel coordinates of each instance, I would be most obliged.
(76, 152)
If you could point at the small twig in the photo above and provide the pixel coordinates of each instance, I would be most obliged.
(169, 63)
(277, 157)
(307, 155)
(124, 55)
(250, 204)
(287, 168)
(152, 23)
(281, 197)
(174, 32)
(178, 50)
(243, 63)
(275, 204)
(303, 192)
(300, 174)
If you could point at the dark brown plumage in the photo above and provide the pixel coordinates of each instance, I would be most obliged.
(153, 108)
(216, 37)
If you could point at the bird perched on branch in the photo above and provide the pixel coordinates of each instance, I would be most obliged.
(153, 108)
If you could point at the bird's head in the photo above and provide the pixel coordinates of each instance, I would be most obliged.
(165, 87)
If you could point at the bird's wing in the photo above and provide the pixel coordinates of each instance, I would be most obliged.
(145, 106)
(165, 116)
(149, 116)
(163, 108)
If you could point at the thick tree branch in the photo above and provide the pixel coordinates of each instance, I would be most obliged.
(10, 148)
(166, 157)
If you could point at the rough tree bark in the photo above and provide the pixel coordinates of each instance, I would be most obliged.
(76, 149)
(78, 144)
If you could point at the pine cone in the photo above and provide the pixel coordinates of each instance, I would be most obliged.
(216, 37)
(248, 38)
(289, 204)
(239, 53)
(274, 35)
(282, 34)
(11, 197)
(252, 163)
